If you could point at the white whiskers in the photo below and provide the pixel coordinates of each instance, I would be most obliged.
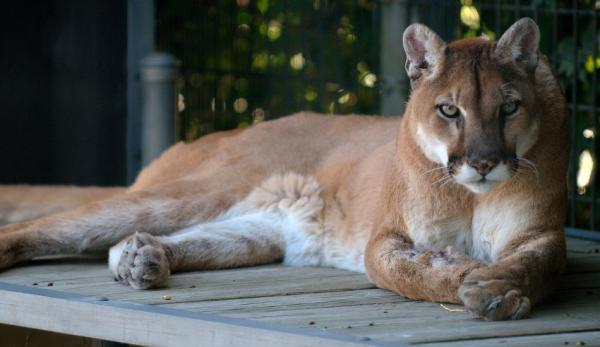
(443, 180)
(530, 166)
(432, 171)
(446, 177)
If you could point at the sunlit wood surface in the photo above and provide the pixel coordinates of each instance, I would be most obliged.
(282, 306)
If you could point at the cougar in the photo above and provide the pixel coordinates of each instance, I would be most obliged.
(461, 200)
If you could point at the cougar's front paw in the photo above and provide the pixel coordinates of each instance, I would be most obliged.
(493, 299)
(139, 261)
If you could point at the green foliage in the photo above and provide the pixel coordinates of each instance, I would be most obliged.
(249, 60)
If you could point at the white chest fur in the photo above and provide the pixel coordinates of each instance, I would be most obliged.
(435, 234)
(495, 224)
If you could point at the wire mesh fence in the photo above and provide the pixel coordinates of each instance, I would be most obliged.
(246, 61)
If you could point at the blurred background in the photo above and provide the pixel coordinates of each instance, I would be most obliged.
(73, 93)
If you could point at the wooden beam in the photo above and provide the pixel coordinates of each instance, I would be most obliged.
(147, 325)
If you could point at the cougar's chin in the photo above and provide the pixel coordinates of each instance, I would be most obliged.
(480, 184)
(481, 187)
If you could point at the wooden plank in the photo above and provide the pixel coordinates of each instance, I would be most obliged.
(221, 285)
(582, 246)
(388, 319)
(420, 324)
(272, 280)
(587, 339)
(145, 325)
(589, 235)
(386, 301)
(261, 305)
(583, 255)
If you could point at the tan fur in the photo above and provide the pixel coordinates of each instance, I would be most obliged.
(363, 193)
(22, 202)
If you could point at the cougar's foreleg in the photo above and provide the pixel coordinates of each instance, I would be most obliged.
(523, 274)
(393, 264)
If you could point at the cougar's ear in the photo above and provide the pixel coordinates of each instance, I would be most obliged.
(519, 45)
(424, 50)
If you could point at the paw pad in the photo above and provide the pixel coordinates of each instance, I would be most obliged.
(143, 263)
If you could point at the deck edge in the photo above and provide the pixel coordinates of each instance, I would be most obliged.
(26, 306)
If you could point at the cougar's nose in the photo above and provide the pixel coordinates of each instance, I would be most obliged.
(483, 167)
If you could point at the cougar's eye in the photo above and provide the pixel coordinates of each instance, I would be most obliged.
(449, 110)
(509, 108)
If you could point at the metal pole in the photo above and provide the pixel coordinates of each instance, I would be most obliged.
(394, 19)
(140, 42)
(158, 72)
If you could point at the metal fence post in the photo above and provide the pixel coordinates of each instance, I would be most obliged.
(140, 42)
(394, 19)
(158, 73)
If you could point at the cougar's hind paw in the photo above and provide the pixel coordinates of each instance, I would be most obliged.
(140, 261)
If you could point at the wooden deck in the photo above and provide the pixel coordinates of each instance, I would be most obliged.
(275, 305)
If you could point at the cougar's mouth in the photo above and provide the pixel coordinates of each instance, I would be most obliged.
(481, 186)
(480, 177)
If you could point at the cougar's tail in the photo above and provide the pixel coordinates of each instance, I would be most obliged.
(19, 203)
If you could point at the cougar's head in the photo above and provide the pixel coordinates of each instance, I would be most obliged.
(472, 107)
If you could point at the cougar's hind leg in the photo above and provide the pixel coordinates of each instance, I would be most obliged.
(144, 261)
(95, 227)
(20, 203)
